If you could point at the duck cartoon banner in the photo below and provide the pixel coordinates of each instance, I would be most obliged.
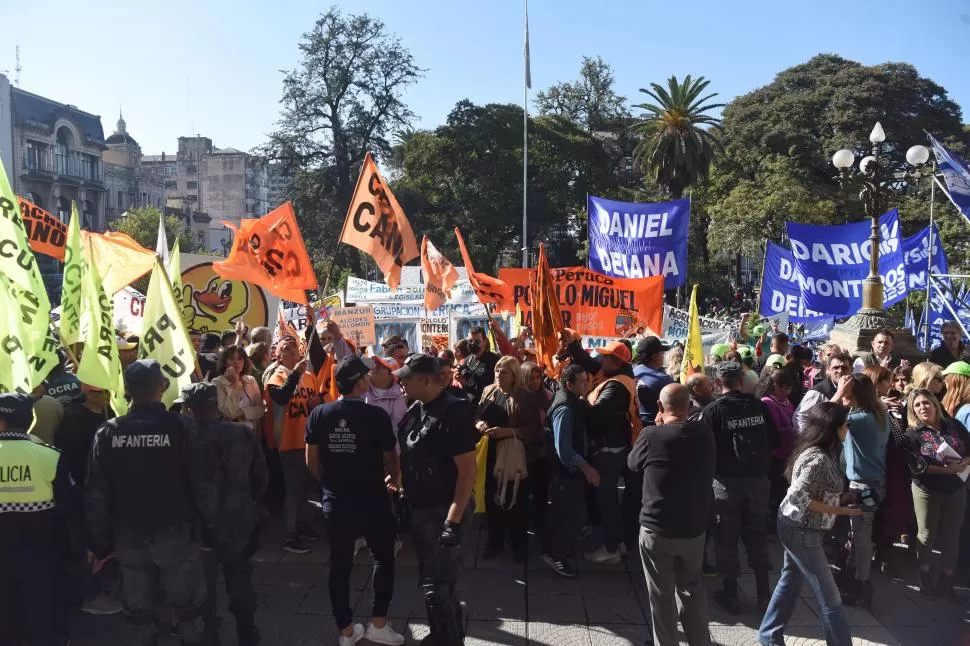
(211, 303)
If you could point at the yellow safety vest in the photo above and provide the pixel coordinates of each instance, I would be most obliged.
(27, 470)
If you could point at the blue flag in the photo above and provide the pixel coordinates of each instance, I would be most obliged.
(780, 288)
(956, 174)
(833, 262)
(909, 322)
(633, 240)
(943, 304)
(916, 251)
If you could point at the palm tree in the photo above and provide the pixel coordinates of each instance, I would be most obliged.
(674, 148)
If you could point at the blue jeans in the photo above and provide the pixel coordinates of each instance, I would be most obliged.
(804, 563)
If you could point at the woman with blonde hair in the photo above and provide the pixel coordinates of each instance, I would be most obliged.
(939, 494)
(675, 357)
(928, 376)
(507, 412)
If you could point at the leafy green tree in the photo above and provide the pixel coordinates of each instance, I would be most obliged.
(675, 148)
(590, 101)
(343, 100)
(141, 224)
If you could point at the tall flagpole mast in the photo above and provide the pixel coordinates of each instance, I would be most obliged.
(525, 144)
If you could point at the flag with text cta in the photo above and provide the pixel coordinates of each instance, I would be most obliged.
(270, 252)
(30, 341)
(439, 276)
(100, 363)
(376, 224)
(546, 317)
(956, 174)
(693, 361)
(164, 337)
(487, 288)
(75, 266)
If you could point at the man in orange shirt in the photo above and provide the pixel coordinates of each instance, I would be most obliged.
(292, 392)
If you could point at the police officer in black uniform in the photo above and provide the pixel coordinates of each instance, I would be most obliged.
(437, 438)
(234, 454)
(744, 435)
(36, 497)
(149, 497)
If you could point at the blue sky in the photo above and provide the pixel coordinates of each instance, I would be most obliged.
(214, 65)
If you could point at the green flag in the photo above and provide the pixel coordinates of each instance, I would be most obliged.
(100, 362)
(74, 269)
(175, 270)
(32, 336)
(163, 335)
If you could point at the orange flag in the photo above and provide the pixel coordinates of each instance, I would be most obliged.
(487, 288)
(546, 317)
(439, 276)
(376, 224)
(120, 260)
(269, 252)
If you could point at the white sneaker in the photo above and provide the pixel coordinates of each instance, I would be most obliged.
(397, 546)
(602, 556)
(353, 639)
(385, 635)
(358, 544)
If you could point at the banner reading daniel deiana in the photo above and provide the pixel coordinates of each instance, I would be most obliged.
(780, 288)
(634, 240)
(833, 262)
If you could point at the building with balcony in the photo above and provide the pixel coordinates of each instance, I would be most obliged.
(57, 157)
(129, 184)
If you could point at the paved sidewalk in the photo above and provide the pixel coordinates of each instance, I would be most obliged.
(515, 604)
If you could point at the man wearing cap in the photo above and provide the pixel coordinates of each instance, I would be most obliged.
(437, 439)
(779, 346)
(235, 455)
(651, 376)
(385, 392)
(479, 368)
(149, 490)
(744, 435)
(62, 385)
(291, 393)
(395, 348)
(209, 355)
(350, 446)
(36, 495)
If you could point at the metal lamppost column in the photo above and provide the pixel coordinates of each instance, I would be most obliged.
(872, 290)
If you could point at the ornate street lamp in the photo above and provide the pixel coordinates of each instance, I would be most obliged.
(872, 175)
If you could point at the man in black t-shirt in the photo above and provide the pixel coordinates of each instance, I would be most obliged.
(479, 369)
(350, 447)
(437, 438)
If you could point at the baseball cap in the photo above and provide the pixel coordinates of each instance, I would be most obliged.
(124, 344)
(423, 364)
(195, 394)
(728, 369)
(745, 352)
(617, 349)
(961, 368)
(775, 360)
(392, 341)
(650, 345)
(17, 409)
(143, 373)
(758, 330)
(387, 362)
(720, 349)
(350, 369)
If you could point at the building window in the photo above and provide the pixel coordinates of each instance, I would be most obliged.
(191, 169)
(121, 200)
(192, 185)
(62, 156)
(64, 209)
(88, 220)
(171, 184)
(35, 198)
(89, 167)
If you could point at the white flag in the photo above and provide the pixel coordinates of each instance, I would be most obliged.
(528, 64)
(161, 245)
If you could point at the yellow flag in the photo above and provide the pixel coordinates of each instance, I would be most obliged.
(693, 349)
(75, 267)
(163, 335)
(32, 337)
(175, 268)
(15, 372)
(100, 363)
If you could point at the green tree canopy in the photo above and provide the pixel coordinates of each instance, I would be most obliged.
(141, 224)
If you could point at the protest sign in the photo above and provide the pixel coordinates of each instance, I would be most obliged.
(676, 323)
(592, 303)
(356, 324)
(781, 288)
(633, 240)
(916, 251)
(164, 336)
(417, 310)
(46, 233)
(406, 328)
(129, 307)
(833, 262)
(376, 224)
(211, 303)
(367, 291)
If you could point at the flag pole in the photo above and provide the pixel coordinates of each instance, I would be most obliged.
(525, 144)
(929, 258)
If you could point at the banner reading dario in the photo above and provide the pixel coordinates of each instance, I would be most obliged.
(591, 303)
(833, 262)
(633, 240)
(781, 288)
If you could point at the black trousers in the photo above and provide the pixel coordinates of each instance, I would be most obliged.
(237, 572)
(27, 597)
(378, 527)
(513, 522)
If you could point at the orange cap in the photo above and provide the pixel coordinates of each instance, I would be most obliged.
(617, 349)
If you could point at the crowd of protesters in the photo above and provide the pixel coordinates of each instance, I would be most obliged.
(606, 448)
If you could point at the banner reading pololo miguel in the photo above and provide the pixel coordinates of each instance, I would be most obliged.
(591, 303)
(633, 240)
(833, 262)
